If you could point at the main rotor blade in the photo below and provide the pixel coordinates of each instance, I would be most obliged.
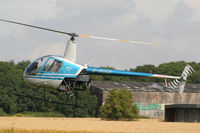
(118, 40)
(37, 27)
(77, 35)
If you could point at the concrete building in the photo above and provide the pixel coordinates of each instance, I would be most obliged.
(150, 98)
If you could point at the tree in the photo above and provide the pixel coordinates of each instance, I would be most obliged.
(119, 106)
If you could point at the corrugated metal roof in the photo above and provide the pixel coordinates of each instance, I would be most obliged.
(143, 86)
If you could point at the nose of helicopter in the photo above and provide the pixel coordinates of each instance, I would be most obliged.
(28, 81)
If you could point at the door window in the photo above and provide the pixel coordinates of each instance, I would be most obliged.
(52, 65)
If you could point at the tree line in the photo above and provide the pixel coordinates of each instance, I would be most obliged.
(12, 89)
(17, 97)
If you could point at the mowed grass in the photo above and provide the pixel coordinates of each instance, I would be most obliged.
(92, 125)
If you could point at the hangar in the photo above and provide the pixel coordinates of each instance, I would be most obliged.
(151, 98)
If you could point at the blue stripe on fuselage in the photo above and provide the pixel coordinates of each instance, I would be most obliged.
(52, 77)
(40, 77)
(101, 71)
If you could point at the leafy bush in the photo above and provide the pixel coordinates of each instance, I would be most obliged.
(119, 106)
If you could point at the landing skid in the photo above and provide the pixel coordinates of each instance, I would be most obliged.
(69, 90)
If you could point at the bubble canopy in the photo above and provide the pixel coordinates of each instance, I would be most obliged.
(45, 63)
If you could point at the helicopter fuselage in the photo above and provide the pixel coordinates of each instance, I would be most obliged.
(50, 71)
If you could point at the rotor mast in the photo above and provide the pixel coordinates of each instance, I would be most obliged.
(70, 50)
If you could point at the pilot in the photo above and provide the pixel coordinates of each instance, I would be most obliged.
(32, 68)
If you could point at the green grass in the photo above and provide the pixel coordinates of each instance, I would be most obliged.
(39, 114)
(143, 117)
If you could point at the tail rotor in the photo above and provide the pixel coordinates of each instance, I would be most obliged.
(180, 83)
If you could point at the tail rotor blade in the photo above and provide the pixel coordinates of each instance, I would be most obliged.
(180, 83)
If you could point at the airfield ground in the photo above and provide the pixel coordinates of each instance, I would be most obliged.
(92, 125)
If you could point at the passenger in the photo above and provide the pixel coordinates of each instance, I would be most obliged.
(58, 64)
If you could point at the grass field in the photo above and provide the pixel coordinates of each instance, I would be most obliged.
(91, 125)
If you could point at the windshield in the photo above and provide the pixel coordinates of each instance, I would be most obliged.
(33, 68)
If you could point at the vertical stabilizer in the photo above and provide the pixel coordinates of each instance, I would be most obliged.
(70, 51)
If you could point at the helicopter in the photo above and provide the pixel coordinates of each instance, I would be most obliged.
(63, 73)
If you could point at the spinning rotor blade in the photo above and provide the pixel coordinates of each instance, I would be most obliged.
(77, 35)
(42, 28)
(118, 40)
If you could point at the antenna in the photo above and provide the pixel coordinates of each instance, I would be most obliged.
(90, 61)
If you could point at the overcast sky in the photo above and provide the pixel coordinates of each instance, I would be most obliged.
(173, 24)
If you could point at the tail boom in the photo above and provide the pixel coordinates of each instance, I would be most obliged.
(165, 76)
(103, 71)
(178, 82)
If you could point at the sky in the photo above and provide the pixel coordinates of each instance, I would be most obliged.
(172, 24)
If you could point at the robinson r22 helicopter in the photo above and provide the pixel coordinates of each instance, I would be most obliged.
(63, 73)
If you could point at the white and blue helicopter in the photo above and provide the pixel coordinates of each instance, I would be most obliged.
(63, 73)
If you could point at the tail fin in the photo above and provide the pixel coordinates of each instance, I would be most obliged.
(180, 83)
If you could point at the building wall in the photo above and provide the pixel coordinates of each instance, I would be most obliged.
(166, 98)
(152, 104)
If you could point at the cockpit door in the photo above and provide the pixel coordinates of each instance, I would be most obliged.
(52, 66)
